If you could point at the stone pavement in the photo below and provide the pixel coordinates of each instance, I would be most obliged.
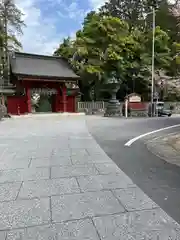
(56, 183)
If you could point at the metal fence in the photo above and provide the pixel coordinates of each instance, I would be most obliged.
(101, 105)
(3, 111)
(90, 106)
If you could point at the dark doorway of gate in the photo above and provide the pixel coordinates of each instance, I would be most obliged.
(44, 104)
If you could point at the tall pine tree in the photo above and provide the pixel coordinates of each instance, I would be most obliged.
(129, 10)
(11, 24)
(138, 14)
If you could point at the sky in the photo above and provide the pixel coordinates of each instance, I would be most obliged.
(49, 21)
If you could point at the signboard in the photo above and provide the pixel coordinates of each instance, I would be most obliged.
(156, 95)
(43, 91)
(134, 98)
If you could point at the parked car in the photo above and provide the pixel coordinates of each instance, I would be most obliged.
(159, 110)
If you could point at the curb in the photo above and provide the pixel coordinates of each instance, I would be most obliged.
(47, 115)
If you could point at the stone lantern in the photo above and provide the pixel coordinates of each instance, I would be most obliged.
(113, 107)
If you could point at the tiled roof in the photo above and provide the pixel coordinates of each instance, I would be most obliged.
(41, 66)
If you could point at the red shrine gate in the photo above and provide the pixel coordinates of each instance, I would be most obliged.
(44, 76)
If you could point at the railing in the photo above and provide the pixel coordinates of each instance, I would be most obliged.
(101, 105)
(3, 111)
(83, 106)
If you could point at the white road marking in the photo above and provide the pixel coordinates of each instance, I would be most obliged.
(130, 142)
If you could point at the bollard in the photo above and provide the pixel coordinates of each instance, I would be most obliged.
(126, 108)
(19, 110)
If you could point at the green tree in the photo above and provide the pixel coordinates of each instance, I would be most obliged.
(138, 14)
(11, 24)
(99, 45)
(162, 49)
(167, 19)
(11, 20)
(132, 11)
(66, 49)
(107, 45)
(127, 10)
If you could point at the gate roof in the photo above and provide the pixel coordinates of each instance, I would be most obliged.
(41, 66)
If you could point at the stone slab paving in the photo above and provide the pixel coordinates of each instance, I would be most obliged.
(27, 174)
(57, 183)
(50, 187)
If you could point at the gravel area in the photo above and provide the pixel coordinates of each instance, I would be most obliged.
(166, 147)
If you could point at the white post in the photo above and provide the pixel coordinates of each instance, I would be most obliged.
(126, 108)
(103, 105)
(78, 106)
(152, 77)
(156, 106)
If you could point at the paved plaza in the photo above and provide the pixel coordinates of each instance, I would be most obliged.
(56, 183)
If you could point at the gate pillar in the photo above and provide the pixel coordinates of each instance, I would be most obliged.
(28, 99)
(64, 98)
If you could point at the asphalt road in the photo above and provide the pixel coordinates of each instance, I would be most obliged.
(157, 178)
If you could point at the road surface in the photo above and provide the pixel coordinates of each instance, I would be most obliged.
(57, 183)
(157, 178)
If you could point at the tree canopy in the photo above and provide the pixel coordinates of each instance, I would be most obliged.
(115, 41)
(11, 24)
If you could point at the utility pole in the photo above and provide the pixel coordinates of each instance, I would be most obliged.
(152, 67)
